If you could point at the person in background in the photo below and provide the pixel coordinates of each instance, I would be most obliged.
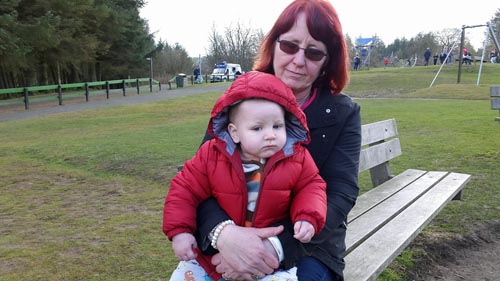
(196, 74)
(493, 55)
(357, 61)
(427, 56)
(386, 62)
(306, 49)
(435, 58)
(256, 162)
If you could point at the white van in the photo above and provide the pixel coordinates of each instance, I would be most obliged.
(224, 71)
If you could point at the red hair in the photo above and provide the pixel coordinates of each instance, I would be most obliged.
(323, 25)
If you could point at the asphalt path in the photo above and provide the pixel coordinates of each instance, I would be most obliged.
(164, 94)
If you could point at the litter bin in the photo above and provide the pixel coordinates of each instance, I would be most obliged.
(179, 80)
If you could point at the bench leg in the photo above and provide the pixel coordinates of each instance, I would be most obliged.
(458, 196)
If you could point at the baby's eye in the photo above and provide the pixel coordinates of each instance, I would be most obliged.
(256, 128)
(278, 126)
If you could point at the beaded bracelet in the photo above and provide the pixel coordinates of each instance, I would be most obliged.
(218, 230)
(277, 247)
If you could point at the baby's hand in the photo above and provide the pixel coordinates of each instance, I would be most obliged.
(304, 231)
(183, 245)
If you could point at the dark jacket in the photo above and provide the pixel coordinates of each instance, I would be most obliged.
(335, 127)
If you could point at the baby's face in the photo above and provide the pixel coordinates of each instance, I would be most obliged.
(259, 127)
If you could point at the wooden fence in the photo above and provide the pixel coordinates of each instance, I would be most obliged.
(27, 91)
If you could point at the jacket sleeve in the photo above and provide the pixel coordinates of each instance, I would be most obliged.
(209, 214)
(187, 189)
(309, 199)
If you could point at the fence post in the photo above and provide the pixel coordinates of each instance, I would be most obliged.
(150, 85)
(59, 93)
(107, 89)
(137, 85)
(123, 86)
(159, 85)
(86, 91)
(26, 99)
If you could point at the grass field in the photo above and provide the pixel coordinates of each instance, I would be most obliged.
(82, 193)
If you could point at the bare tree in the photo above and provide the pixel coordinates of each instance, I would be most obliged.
(238, 44)
(447, 37)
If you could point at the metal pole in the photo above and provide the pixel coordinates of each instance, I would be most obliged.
(461, 56)
(495, 40)
(482, 59)
(444, 62)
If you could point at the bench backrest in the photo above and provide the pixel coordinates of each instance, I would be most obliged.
(379, 145)
(495, 97)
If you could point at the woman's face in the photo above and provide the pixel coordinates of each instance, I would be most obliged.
(296, 70)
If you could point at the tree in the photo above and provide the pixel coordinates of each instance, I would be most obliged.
(51, 41)
(238, 44)
(171, 61)
(447, 37)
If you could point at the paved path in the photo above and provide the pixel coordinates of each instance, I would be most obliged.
(115, 100)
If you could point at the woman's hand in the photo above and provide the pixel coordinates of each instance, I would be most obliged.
(245, 252)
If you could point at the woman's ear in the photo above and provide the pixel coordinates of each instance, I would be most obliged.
(233, 132)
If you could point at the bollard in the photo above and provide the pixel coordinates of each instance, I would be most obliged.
(86, 91)
(26, 99)
(59, 93)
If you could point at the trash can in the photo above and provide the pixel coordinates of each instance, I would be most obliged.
(179, 80)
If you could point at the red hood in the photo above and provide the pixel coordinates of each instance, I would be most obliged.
(262, 85)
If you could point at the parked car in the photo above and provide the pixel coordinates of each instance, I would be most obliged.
(224, 71)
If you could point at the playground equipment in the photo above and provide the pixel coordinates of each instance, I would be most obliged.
(489, 32)
(495, 41)
(364, 47)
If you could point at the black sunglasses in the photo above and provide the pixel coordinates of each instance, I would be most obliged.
(292, 48)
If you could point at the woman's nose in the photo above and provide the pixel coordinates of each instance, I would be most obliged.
(299, 58)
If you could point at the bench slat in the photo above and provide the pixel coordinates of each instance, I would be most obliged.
(369, 199)
(495, 103)
(362, 227)
(370, 258)
(495, 91)
(381, 153)
(378, 131)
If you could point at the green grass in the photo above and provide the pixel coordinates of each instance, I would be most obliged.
(82, 193)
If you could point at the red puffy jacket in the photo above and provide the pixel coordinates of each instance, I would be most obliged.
(290, 186)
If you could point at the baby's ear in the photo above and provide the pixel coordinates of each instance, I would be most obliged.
(233, 132)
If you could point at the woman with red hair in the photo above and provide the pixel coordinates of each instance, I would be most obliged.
(306, 49)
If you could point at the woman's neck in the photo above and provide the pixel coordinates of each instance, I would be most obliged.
(303, 96)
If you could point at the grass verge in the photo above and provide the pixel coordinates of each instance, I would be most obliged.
(82, 192)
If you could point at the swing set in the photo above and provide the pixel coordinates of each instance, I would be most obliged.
(489, 33)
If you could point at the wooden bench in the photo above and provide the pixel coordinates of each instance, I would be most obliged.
(388, 217)
(495, 99)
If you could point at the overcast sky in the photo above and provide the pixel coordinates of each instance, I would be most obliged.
(189, 24)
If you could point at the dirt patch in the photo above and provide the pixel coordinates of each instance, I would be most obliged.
(458, 258)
